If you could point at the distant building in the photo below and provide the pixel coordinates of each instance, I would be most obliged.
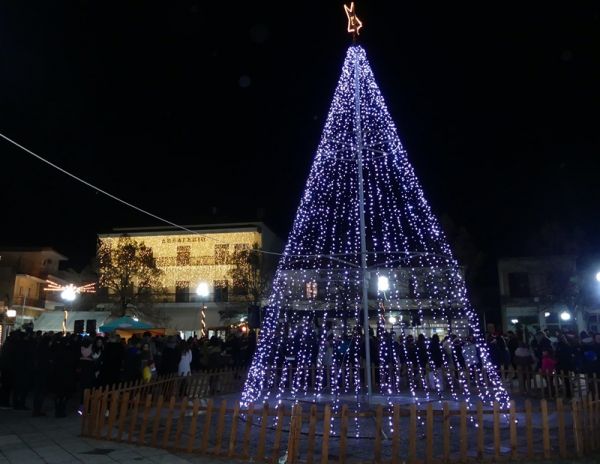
(187, 259)
(543, 293)
(23, 274)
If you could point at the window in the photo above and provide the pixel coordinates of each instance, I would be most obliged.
(183, 255)
(221, 290)
(518, 284)
(311, 290)
(182, 291)
(239, 287)
(221, 253)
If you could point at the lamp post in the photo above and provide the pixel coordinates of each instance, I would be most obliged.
(202, 292)
(68, 295)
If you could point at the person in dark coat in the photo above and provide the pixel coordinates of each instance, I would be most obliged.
(170, 357)
(23, 367)
(41, 374)
(86, 369)
(7, 370)
(132, 365)
(62, 373)
(111, 361)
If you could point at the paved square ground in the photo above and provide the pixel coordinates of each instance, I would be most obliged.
(25, 439)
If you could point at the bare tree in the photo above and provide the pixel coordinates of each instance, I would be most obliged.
(251, 275)
(128, 271)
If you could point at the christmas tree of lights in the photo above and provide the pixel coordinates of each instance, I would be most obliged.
(366, 268)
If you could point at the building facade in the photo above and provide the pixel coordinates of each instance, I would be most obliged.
(544, 293)
(23, 275)
(187, 259)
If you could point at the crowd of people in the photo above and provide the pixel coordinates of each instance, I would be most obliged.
(35, 366)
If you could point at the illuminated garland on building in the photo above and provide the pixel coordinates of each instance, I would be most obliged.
(319, 279)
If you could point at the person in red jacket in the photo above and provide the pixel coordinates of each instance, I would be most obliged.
(548, 369)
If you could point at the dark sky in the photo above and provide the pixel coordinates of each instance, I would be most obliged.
(178, 107)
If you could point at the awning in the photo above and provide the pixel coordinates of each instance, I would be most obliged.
(53, 320)
(125, 322)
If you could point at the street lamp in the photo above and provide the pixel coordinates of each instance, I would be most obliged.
(565, 316)
(68, 293)
(383, 283)
(202, 291)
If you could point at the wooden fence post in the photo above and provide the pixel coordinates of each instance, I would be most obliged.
(560, 412)
(496, 431)
(206, 431)
(325, 440)
(584, 424)
(220, 427)
(396, 434)
(123, 415)
(591, 423)
(480, 431)
(529, 429)
(576, 428)
(463, 432)
(86, 410)
(112, 414)
(260, 450)
(247, 430)
(102, 413)
(194, 423)
(277, 440)
(412, 435)
(142, 436)
(134, 413)
(312, 427)
(156, 421)
(169, 422)
(446, 432)
(180, 422)
(344, 433)
(513, 430)
(233, 434)
(429, 435)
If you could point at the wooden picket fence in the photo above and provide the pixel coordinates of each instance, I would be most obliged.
(176, 414)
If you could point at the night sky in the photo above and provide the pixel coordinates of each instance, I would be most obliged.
(179, 107)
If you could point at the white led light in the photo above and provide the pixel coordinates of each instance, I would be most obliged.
(383, 283)
(202, 289)
(403, 240)
(68, 294)
(565, 316)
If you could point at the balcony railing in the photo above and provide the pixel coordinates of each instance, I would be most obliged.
(34, 302)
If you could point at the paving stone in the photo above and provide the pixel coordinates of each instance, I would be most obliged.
(9, 439)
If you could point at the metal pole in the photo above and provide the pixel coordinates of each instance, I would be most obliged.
(23, 306)
(361, 209)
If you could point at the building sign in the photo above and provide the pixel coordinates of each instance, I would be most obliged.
(183, 239)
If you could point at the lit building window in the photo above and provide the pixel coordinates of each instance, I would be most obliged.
(221, 253)
(183, 255)
(221, 290)
(182, 291)
(311, 289)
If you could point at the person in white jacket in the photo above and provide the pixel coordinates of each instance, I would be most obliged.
(185, 360)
